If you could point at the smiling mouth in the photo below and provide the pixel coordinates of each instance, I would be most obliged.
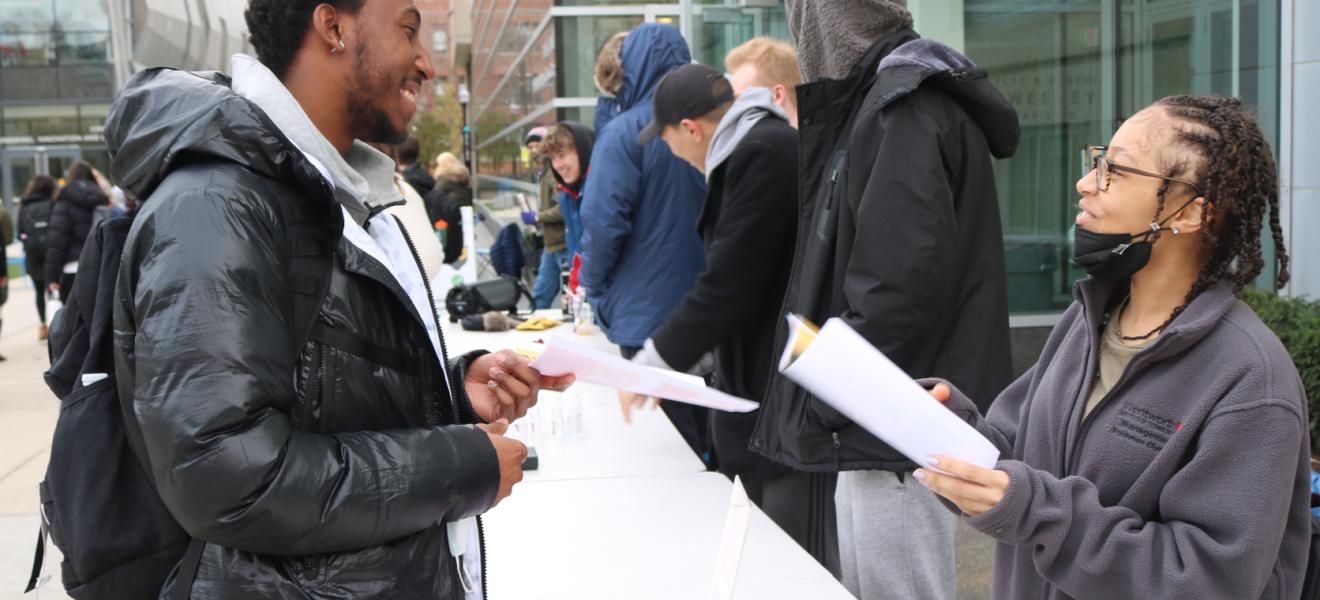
(1084, 216)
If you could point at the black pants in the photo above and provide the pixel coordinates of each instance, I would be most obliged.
(43, 291)
(66, 287)
(692, 422)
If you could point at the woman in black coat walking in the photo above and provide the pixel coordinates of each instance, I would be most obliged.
(33, 227)
(70, 222)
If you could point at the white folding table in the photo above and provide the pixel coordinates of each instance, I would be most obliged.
(626, 511)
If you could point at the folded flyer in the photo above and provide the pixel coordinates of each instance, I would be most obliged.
(840, 367)
(562, 356)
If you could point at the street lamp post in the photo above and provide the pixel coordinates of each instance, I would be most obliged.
(463, 98)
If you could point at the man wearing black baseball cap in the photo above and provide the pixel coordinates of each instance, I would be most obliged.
(749, 154)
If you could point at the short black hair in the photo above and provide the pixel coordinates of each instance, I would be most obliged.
(276, 28)
(408, 150)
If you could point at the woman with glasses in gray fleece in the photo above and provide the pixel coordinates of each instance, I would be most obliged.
(1159, 448)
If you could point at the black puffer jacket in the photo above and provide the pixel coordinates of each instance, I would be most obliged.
(747, 227)
(311, 473)
(70, 221)
(899, 236)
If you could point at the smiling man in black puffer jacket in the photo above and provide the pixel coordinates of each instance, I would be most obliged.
(346, 467)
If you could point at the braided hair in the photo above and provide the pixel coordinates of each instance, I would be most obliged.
(277, 28)
(1237, 175)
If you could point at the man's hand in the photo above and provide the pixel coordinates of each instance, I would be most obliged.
(512, 453)
(54, 287)
(629, 402)
(500, 385)
(974, 489)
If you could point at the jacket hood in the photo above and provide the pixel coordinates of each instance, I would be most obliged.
(166, 118)
(585, 140)
(928, 62)
(649, 52)
(748, 109)
(83, 194)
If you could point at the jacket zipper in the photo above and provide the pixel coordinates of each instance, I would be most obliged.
(312, 420)
(481, 536)
(1087, 419)
(453, 399)
(829, 199)
(837, 450)
(440, 333)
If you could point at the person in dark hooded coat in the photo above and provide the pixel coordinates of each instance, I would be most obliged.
(70, 222)
(900, 239)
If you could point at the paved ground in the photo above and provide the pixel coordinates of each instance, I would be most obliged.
(27, 419)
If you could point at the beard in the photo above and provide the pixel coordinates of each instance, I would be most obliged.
(371, 85)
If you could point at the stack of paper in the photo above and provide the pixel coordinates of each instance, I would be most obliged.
(840, 367)
(562, 357)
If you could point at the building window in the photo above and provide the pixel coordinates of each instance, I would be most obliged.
(1075, 71)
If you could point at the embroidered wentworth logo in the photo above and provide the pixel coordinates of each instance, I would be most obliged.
(1139, 425)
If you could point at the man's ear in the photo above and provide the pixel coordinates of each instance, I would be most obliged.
(328, 28)
(780, 95)
(692, 128)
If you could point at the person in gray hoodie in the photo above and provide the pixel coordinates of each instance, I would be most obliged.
(1159, 448)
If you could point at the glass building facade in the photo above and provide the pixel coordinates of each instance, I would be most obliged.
(57, 79)
(1074, 69)
(533, 63)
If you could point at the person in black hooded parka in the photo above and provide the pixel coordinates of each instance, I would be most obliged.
(900, 239)
(70, 222)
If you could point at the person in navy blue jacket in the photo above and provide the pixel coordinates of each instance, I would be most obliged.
(640, 249)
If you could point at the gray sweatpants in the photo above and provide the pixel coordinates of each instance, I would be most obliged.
(895, 538)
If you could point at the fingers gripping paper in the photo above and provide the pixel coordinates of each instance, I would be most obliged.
(840, 367)
(562, 357)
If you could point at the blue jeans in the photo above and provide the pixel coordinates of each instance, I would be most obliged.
(547, 285)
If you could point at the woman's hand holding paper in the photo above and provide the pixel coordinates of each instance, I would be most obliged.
(974, 489)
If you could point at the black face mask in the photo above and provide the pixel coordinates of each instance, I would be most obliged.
(1113, 256)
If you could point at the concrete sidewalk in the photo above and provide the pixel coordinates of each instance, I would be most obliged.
(27, 420)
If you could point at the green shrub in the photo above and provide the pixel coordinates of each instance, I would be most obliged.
(1297, 323)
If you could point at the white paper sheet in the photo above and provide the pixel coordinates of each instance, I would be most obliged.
(563, 356)
(848, 373)
(731, 546)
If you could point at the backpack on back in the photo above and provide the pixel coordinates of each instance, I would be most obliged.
(98, 504)
(36, 226)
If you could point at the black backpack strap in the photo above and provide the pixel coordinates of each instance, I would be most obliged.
(192, 559)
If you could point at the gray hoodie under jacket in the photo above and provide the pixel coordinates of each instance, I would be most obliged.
(1190, 479)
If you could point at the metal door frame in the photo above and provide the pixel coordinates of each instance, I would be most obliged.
(42, 155)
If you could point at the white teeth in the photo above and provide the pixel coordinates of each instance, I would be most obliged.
(408, 94)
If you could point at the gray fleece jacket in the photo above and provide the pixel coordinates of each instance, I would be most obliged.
(1190, 479)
